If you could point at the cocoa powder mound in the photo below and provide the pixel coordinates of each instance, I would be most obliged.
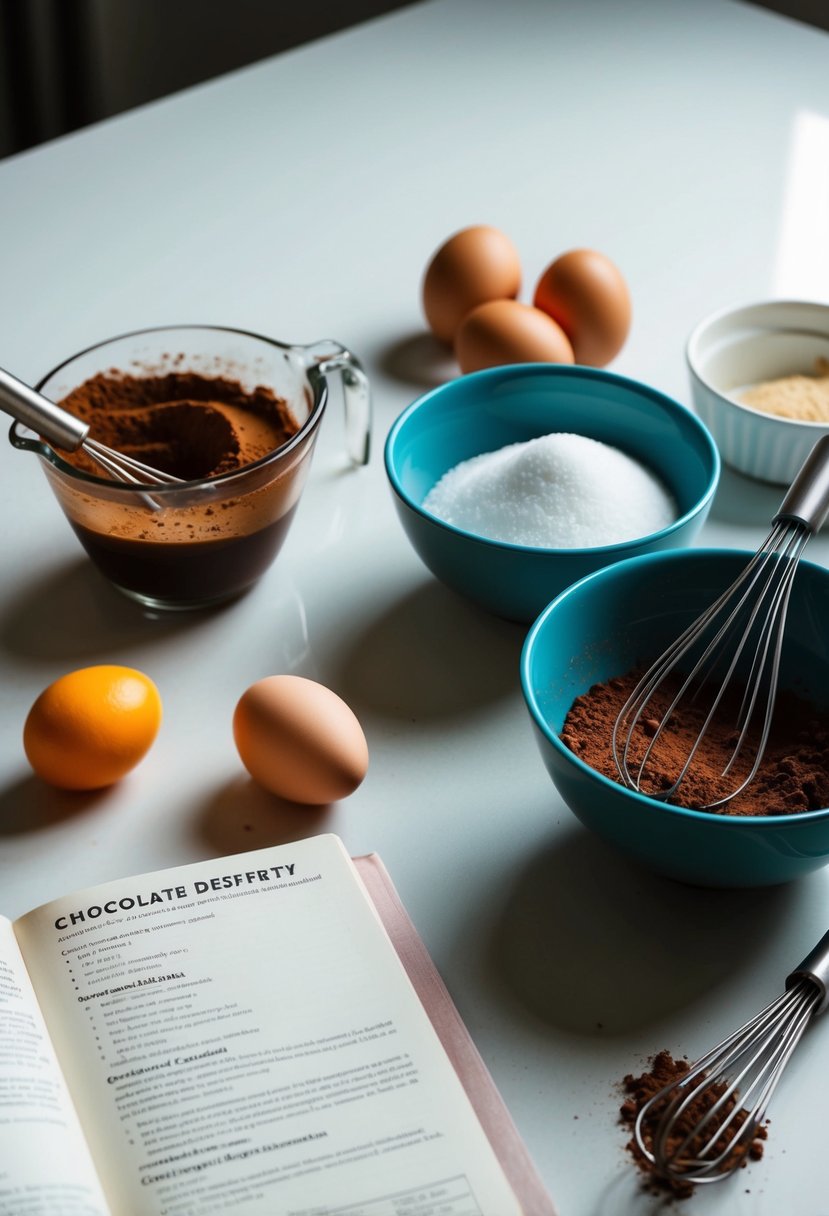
(189, 425)
(793, 776)
(664, 1070)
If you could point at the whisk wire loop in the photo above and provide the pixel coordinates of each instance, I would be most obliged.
(748, 618)
(744, 627)
(745, 1098)
(771, 640)
(127, 468)
(732, 1084)
(634, 708)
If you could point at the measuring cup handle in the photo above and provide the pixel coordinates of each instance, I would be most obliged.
(330, 356)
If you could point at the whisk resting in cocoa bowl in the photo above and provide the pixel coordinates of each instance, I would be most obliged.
(703, 1125)
(726, 662)
(62, 429)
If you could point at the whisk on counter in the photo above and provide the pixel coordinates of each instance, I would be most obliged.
(727, 661)
(702, 1126)
(63, 430)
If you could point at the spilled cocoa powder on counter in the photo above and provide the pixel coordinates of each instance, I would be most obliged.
(663, 1070)
(793, 776)
(182, 423)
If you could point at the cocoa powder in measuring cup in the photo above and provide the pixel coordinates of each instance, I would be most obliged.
(241, 457)
(182, 423)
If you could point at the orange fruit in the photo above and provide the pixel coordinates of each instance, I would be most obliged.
(91, 726)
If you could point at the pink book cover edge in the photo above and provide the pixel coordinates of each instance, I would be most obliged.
(457, 1042)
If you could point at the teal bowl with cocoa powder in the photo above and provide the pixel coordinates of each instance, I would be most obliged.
(612, 620)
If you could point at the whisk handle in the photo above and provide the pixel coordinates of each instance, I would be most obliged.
(807, 500)
(815, 967)
(42, 415)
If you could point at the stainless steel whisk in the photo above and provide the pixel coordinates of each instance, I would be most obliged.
(64, 430)
(733, 1084)
(747, 619)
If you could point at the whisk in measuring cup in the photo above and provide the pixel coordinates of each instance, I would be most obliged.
(743, 629)
(64, 430)
(731, 1085)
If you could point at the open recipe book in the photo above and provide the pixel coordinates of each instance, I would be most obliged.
(263, 1034)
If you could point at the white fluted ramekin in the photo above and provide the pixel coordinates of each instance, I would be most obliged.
(738, 347)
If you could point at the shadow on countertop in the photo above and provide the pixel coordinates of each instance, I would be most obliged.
(430, 655)
(71, 612)
(587, 942)
(29, 805)
(417, 359)
(241, 816)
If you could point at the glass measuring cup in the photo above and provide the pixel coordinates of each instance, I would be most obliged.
(198, 543)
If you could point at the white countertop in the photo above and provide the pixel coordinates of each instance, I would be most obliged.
(302, 198)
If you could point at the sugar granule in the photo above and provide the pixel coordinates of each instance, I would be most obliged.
(559, 491)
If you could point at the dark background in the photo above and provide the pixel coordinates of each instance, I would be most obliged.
(67, 63)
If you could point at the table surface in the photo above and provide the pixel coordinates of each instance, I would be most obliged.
(302, 198)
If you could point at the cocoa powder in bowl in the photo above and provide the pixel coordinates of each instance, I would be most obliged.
(793, 776)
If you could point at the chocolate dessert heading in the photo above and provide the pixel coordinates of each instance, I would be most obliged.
(167, 895)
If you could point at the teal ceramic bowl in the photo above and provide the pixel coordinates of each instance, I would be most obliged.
(487, 410)
(602, 626)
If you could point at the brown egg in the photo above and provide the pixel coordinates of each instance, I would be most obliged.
(476, 264)
(506, 331)
(299, 740)
(585, 293)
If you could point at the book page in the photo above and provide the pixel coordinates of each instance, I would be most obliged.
(38, 1124)
(240, 1035)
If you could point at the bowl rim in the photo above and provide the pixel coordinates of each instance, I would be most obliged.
(750, 822)
(693, 356)
(556, 371)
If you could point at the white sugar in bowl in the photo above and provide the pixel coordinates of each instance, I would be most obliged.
(489, 410)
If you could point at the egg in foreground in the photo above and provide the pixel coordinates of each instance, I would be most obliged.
(299, 740)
